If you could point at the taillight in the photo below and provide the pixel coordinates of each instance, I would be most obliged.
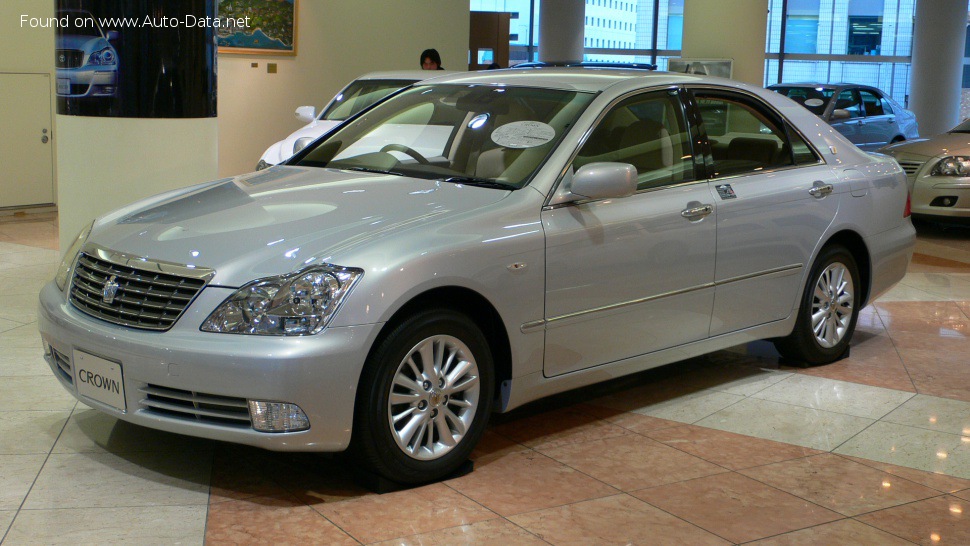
(909, 205)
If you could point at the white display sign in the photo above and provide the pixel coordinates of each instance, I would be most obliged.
(523, 134)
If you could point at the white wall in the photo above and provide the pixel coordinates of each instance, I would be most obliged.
(337, 41)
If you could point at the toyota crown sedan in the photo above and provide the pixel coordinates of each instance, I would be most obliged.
(939, 173)
(471, 244)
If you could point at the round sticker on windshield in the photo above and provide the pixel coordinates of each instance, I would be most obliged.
(523, 134)
(814, 102)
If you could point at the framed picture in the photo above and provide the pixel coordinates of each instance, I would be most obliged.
(711, 67)
(257, 27)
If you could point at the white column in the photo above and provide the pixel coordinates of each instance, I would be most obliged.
(737, 30)
(939, 35)
(561, 28)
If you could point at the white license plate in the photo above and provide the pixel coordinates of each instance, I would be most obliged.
(99, 379)
(63, 87)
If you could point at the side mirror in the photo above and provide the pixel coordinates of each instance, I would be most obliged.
(604, 181)
(840, 113)
(306, 113)
(112, 35)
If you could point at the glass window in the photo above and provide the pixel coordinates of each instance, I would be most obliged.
(872, 103)
(848, 100)
(745, 136)
(359, 95)
(647, 131)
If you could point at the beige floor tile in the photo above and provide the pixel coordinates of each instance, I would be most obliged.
(941, 318)
(6, 518)
(931, 412)
(375, 518)
(901, 292)
(23, 361)
(807, 427)
(839, 484)
(912, 447)
(17, 473)
(7, 247)
(34, 393)
(15, 283)
(91, 431)
(940, 482)
(493, 532)
(130, 525)
(632, 462)
(522, 481)
(619, 519)
(940, 520)
(22, 337)
(846, 532)
(23, 432)
(20, 308)
(736, 507)
(835, 396)
(558, 427)
(90, 480)
(692, 407)
(7, 325)
(733, 451)
(31, 256)
(270, 520)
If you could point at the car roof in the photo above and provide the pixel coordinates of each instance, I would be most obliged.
(410, 75)
(575, 78)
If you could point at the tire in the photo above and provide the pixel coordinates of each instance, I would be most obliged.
(825, 322)
(423, 426)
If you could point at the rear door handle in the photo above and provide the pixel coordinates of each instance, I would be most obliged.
(820, 189)
(694, 213)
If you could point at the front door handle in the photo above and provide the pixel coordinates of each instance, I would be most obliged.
(694, 213)
(820, 189)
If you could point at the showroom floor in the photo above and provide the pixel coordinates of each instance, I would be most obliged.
(728, 448)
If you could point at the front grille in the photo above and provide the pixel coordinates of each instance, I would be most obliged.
(79, 88)
(68, 58)
(196, 406)
(143, 299)
(910, 167)
(63, 365)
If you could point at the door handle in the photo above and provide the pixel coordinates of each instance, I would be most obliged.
(697, 212)
(820, 189)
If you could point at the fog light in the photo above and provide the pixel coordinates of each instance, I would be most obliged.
(277, 416)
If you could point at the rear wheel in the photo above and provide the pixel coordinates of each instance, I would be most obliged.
(424, 398)
(828, 311)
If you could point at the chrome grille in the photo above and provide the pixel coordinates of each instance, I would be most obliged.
(146, 300)
(910, 167)
(63, 365)
(196, 406)
(68, 58)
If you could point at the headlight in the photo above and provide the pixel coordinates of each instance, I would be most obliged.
(105, 56)
(957, 165)
(262, 165)
(67, 262)
(296, 304)
(301, 143)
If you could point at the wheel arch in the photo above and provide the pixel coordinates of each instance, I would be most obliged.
(477, 308)
(860, 251)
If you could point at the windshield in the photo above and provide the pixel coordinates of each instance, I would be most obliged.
(497, 136)
(360, 95)
(962, 128)
(813, 98)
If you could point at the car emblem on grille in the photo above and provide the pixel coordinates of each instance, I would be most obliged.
(110, 290)
(62, 58)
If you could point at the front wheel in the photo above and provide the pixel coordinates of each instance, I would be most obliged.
(828, 311)
(424, 398)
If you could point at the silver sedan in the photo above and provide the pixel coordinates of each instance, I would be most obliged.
(471, 244)
(939, 173)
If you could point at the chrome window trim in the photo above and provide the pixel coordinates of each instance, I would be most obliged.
(147, 264)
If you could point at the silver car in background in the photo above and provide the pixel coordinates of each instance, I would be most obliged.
(938, 169)
(866, 116)
(472, 244)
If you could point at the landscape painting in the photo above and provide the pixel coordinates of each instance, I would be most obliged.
(270, 28)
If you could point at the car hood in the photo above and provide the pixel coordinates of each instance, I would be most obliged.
(947, 143)
(282, 219)
(88, 44)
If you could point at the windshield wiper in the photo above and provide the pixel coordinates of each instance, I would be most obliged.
(371, 170)
(480, 182)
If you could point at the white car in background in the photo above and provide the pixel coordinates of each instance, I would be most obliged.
(358, 95)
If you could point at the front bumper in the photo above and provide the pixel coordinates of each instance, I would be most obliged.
(319, 373)
(938, 196)
(87, 81)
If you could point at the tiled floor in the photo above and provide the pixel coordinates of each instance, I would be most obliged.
(728, 448)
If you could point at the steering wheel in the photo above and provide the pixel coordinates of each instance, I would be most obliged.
(409, 151)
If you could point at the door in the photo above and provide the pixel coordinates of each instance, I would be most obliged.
(774, 198)
(879, 126)
(26, 154)
(629, 276)
(848, 103)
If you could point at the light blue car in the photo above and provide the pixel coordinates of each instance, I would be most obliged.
(86, 60)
